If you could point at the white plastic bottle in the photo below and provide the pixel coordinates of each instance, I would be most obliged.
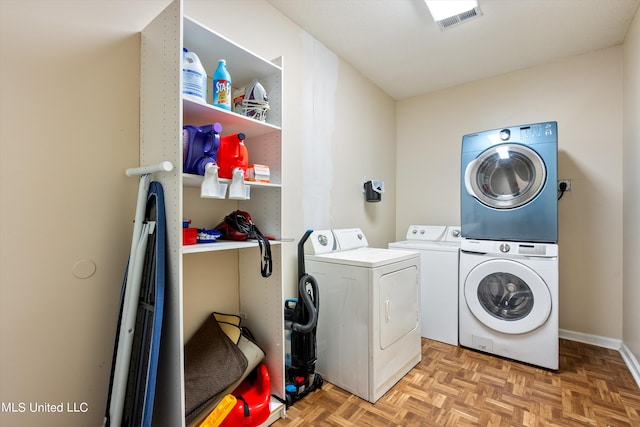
(222, 86)
(194, 76)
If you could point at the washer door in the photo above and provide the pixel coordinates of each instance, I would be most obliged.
(507, 296)
(505, 176)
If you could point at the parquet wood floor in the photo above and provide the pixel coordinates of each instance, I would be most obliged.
(458, 387)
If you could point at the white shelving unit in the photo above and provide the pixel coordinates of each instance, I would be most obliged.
(163, 114)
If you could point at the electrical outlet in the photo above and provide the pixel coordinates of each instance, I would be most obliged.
(567, 182)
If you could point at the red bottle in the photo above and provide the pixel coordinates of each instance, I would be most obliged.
(232, 154)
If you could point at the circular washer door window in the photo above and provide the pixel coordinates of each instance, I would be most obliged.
(507, 296)
(505, 176)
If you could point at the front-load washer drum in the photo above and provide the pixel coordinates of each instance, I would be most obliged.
(505, 176)
(507, 296)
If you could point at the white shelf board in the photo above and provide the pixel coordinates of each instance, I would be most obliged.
(278, 411)
(222, 245)
(210, 47)
(201, 113)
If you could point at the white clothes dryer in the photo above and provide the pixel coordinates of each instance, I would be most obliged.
(439, 248)
(509, 300)
(368, 333)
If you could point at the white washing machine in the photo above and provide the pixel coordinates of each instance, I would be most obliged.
(509, 300)
(439, 248)
(368, 334)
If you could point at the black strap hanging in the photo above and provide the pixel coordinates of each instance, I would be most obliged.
(241, 221)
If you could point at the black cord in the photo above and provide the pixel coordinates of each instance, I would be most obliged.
(561, 194)
(242, 223)
(562, 187)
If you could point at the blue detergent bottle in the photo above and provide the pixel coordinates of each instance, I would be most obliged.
(222, 86)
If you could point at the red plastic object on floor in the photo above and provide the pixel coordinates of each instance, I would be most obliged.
(252, 407)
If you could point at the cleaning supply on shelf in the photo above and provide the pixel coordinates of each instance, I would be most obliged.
(200, 146)
(222, 86)
(258, 173)
(194, 76)
(232, 154)
(243, 160)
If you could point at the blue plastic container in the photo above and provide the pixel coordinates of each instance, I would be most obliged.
(222, 86)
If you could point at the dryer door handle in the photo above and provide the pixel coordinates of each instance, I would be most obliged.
(467, 177)
(387, 310)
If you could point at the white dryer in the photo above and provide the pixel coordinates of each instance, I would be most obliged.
(509, 300)
(368, 334)
(439, 248)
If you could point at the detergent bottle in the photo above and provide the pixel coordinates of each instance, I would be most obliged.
(222, 86)
(243, 159)
(232, 154)
(194, 76)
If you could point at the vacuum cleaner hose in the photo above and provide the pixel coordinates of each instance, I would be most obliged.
(312, 306)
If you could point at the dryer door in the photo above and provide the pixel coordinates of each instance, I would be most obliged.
(399, 309)
(505, 176)
(507, 296)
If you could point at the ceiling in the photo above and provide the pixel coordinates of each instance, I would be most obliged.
(397, 45)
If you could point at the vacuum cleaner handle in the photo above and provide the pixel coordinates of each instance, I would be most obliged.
(301, 268)
(312, 304)
(310, 300)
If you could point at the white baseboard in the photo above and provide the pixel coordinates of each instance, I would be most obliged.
(614, 344)
(605, 342)
(632, 362)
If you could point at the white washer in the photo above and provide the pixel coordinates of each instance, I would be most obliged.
(509, 300)
(439, 248)
(368, 334)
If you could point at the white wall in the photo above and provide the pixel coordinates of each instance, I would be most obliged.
(631, 205)
(339, 127)
(69, 127)
(584, 95)
(69, 79)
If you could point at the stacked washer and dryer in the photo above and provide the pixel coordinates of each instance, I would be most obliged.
(508, 299)
(490, 285)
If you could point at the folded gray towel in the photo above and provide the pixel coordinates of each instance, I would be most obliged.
(212, 362)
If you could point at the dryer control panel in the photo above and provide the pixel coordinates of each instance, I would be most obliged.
(320, 242)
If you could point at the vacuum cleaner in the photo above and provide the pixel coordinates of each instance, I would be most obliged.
(301, 320)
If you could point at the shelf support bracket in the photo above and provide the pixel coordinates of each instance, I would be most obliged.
(211, 187)
(238, 190)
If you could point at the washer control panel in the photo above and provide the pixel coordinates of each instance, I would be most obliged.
(434, 233)
(497, 248)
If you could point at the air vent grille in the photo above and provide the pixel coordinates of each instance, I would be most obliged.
(452, 21)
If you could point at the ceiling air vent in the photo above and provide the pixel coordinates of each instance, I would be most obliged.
(452, 21)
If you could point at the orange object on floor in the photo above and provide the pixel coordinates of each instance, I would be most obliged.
(220, 412)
